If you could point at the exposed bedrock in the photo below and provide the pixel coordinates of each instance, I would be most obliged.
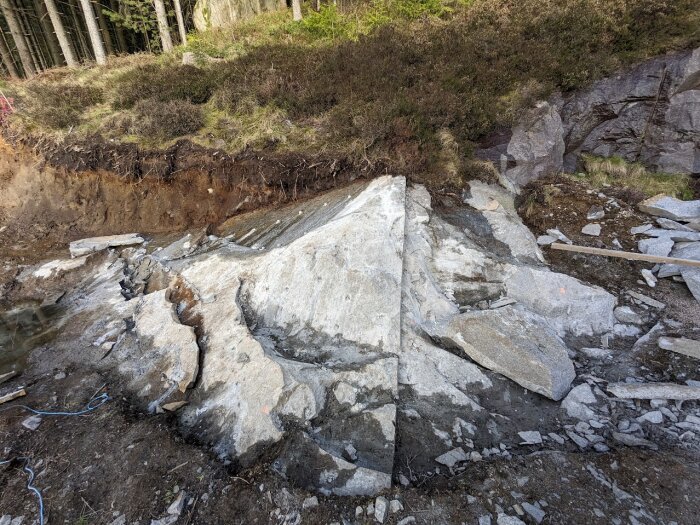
(649, 114)
(334, 336)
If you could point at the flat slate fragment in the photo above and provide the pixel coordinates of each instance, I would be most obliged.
(95, 244)
(671, 208)
(654, 391)
(681, 345)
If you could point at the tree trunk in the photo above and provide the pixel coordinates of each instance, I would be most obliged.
(94, 32)
(49, 33)
(7, 59)
(83, 51)
(165, 40)
(296, 10)
(106, 35)
(119, 30)
(25, 56)
(180, 23)
(30, 34)
(60, 33)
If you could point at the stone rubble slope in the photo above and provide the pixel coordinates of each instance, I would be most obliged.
(675, 238)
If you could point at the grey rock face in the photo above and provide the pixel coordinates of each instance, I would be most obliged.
(537, 145)
(165, 345)
(334, 330)
(646, 114)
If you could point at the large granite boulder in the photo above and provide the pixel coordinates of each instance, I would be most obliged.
(335, 337)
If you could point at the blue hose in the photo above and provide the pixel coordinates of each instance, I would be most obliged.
(94, 403)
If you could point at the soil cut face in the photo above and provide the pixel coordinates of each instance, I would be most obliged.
(76, 193)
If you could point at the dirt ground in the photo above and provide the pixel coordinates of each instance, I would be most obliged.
(560, 202)
(114, 461)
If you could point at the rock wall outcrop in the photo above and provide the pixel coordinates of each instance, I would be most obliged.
(324, 335)
(649, 114)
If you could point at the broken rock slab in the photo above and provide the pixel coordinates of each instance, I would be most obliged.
(452, 457)
(166, 357)
(95, 244)
(577, 400)
(681, 345)
(671, 208)
(514, 342)
(659, 246)
(654, 391)
(672, 225)
(567, 305)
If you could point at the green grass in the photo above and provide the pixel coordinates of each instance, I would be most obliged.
(413, 84)
(614, 171)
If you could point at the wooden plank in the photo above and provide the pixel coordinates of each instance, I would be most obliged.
(12, 395)
(631, 256)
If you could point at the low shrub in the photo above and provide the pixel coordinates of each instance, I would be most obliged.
(167, 120)
(163, 83)
(59, 106)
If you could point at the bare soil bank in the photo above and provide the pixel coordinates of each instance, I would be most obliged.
(75, 190)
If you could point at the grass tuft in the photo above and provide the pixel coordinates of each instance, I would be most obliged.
(614, 171)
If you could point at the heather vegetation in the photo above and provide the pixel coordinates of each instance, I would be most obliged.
(392, 81)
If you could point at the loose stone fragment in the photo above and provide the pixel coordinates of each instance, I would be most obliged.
(559, 236)
(452, 457)
(381, 506)
(591, 229)
(640, 229)
(595, 213)
(659, 246)
(681, 345)
(670, 208)
(654, 391)
(672, 225)
(537, 513)
(633, 441)
(646, 300)
(625, 314)
(655, 417)
(530, 437)
(546, 240)
(95, 244)
(649, 277)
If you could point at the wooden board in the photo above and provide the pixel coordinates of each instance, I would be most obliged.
(625, 255)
